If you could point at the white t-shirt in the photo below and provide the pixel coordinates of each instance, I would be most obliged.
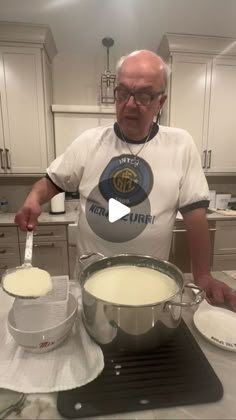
(170, 170)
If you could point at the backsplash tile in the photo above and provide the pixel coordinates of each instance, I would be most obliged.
(222, 184)
(16, 189)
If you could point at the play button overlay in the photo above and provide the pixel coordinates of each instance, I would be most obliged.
(114, 221)
(116, 210)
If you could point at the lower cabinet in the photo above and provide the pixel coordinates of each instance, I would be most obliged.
(72, 261)
(50, 249)
(224, 256)
(179, 252)
(9, 248)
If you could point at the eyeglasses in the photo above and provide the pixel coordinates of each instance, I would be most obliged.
(140, 98)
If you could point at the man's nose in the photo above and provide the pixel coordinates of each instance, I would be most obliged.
(131, 101)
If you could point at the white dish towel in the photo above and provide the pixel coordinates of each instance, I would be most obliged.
(76, 362)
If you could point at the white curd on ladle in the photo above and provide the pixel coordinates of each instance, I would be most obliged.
(27, 282)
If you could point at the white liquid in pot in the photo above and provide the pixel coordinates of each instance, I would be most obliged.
(130, 285)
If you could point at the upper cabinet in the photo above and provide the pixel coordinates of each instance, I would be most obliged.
(202, 95)
(26, 120)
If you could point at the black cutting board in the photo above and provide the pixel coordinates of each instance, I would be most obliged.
(177, 373)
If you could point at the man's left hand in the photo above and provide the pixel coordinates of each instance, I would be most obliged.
(217, 292)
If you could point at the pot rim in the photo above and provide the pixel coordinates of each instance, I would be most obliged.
(164, 301)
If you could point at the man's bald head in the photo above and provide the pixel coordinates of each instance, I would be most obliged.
(146, 59)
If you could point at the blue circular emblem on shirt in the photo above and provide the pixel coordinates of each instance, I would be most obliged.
(126, 178)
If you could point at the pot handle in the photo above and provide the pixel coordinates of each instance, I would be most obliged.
(86, 256)
(199, 296)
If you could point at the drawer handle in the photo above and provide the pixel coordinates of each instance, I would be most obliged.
(2, 235)
(184, 230)
(43, 234)
(3, 251)
(43, 245)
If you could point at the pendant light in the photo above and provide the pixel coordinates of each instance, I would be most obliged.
(107, 79)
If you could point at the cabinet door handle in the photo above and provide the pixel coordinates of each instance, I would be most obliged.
(209, 159)
(204, 159)
(8, 158)
(2, 159)
(43, 234)
(2, 235)
(1, 150)
(44, 245)
(184, 230)
(173, 243)
(3, 251)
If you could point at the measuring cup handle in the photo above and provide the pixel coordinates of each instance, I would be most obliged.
(28, 247)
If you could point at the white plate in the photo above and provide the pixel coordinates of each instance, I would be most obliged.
(217, 325)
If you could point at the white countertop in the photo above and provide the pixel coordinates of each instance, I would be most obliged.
(222, 361)
(66, 218)
(71, 217)
(215, 215)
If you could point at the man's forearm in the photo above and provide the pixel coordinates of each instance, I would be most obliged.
(199, 242)
(42, 191)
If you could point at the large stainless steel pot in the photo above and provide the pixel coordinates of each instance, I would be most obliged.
(133, 328)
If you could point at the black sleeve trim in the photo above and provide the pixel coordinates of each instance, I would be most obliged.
(197, 205)
(55, 185)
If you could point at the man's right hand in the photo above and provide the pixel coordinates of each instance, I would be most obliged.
(27, 216)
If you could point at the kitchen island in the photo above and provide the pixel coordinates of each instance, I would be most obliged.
(43, 406)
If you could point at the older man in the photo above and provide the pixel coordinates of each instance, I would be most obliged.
(154, 170)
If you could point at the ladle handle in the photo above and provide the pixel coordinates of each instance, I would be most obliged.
(28, 247)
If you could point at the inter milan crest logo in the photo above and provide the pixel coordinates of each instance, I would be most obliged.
(129, 180)
(126, 179)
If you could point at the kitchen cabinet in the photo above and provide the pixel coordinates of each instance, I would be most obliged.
(179, 252)
(26, 121)
(72, 261)
(50, 248)
(201, 95)
(9, 248)
(224, 257)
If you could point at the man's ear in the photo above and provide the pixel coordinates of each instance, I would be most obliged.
(162, 100)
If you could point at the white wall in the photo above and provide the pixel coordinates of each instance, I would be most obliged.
(76, 78)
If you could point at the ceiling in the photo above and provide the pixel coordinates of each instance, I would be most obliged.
(78, 26)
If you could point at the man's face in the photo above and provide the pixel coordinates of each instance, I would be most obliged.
(136, 75)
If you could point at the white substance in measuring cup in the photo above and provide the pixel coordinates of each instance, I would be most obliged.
(28, 282)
